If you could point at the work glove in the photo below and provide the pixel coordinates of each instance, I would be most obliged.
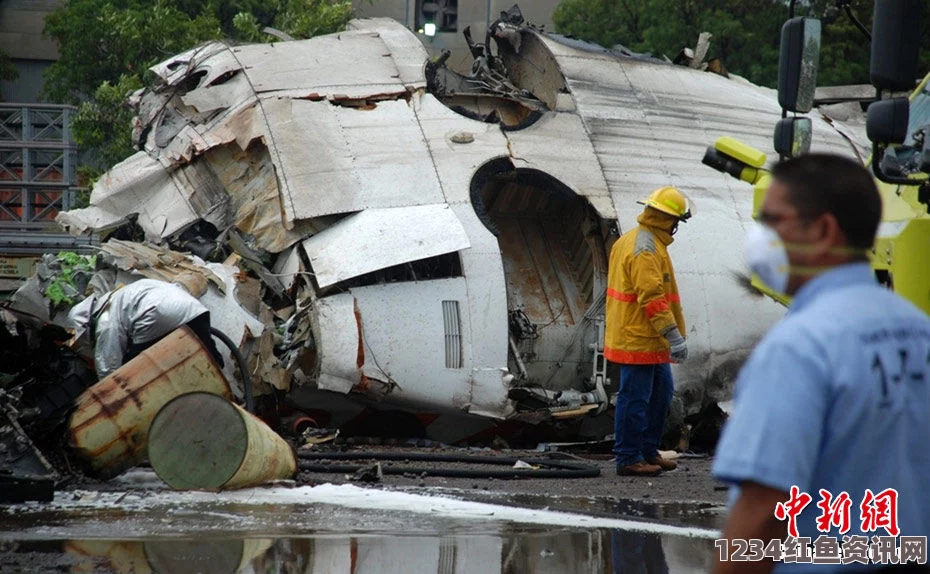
(678, 346)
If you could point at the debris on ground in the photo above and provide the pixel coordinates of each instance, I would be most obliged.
(314, 436)
(370, 474)
(39, 383)
(24, 472)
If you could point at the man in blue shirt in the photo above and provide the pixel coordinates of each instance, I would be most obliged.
(836, 397)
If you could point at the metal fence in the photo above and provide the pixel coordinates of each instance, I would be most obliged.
(37, 165)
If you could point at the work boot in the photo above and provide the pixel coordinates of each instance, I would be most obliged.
(663, 463)
(641, 468)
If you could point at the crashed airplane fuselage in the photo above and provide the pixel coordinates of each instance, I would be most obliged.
(438, 242)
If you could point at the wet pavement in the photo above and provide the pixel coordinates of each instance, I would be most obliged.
(687, 496)
(509, 549)
(137, 525)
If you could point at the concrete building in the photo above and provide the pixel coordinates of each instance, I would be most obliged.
(451, 17)
(21, 25)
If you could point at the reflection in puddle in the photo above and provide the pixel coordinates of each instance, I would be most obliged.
(204, 556)
(511, 549)
(637, 552)
(343, 529)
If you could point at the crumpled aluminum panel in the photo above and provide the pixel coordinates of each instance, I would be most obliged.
(650, 122)
(334, 159)
(336, 334)
(389, 313)
(559, 145)
(139, 185)
(378, 238)
(407, 51)
(320, 64)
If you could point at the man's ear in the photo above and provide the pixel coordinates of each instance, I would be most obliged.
(825, 234)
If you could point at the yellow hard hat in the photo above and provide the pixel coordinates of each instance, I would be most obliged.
(669, 200)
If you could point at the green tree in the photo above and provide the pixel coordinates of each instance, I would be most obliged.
(101, 124)
(101, 40)
(746, 32)
(844, 51)
(298, 18)
(7, 69)
(604, 22)
(107, 46)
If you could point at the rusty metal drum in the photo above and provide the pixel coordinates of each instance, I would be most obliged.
(109, 427)
(201, 441)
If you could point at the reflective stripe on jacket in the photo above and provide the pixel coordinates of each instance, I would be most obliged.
(642, 296)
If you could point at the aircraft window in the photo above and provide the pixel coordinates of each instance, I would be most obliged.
(438, 267)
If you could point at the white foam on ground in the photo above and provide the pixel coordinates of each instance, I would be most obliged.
(350, 496)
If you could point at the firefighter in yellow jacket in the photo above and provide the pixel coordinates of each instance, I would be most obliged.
(644, 332)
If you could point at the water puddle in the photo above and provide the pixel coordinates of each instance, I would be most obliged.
(516, 549)
(345, 529)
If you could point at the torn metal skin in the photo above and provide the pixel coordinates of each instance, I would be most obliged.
(437, 242)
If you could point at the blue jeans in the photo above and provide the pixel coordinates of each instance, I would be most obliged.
(637, 553)
(642, 406)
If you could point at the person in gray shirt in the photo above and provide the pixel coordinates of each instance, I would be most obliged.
(124, 322)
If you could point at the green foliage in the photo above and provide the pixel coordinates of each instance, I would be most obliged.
(604, 22)
(226, 11)
(107, 46)
(746, 32)
(61, 289)
(101, 122)
(298, 18)
(7, 70)
(248, 27)
(844, 52)
(308, 18)
(102, 40)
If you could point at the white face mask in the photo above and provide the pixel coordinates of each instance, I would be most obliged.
(767, 257)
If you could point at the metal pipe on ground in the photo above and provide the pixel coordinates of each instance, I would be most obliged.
(109, 427)
(201, 441)
(541, 468)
